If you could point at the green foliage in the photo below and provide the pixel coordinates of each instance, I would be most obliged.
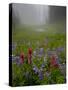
(23, 74)
(56, 76)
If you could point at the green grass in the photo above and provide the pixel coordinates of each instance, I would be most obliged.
(56, 37)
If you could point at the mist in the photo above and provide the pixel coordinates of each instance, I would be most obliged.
(37, 15)
(29, 14)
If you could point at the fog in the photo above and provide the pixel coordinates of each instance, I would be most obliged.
(34, 14)
(31, 14)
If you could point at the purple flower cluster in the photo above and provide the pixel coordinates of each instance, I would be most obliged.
(40, 75)
(43, 65)
(49, 52)
(60, 49)
(17, 60)
(41, 51)
(35, 69)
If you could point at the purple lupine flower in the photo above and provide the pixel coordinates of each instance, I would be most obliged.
(43, 65)
(49, 53)
(40, 75)
(39, 55)
(13, 58)
(41, 52)
(17, 60)
(60, 49)
(35, 69)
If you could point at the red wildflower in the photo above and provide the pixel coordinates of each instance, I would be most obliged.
(22, 57)
(53, 61)
(30, 51)
(29, 55)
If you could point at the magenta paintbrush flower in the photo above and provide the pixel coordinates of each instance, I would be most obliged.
(53, 61)
(29, 55)
(22, 56)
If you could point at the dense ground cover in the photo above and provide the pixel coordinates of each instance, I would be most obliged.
(45, 42)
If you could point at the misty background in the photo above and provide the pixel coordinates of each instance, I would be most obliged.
(34, 14)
